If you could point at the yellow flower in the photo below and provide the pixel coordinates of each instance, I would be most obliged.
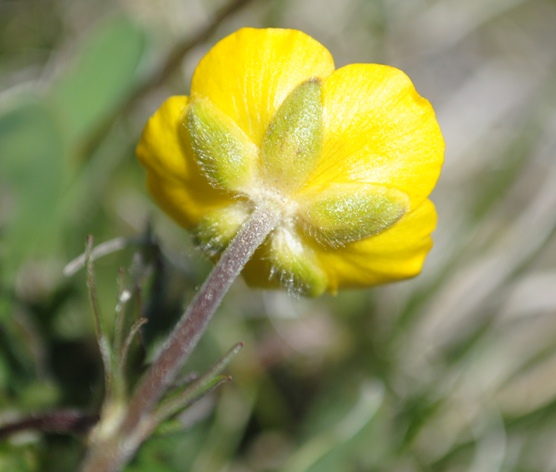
(348, 155)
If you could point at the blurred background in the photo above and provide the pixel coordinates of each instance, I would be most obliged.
(452, 371)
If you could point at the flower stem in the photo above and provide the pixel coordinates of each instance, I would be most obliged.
(113, 447)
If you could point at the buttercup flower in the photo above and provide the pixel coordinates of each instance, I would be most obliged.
(348, 157)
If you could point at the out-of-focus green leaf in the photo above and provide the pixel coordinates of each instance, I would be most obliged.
(39, 135)
(32, 178)
(101, 76)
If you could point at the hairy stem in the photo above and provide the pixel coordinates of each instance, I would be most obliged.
(113, 449)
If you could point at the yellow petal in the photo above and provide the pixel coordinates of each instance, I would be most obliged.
(160, 149)
(397, 253)
(185, 205)
(250, 73)
(174, 178)
(377, 129)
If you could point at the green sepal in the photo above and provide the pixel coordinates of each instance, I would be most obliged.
(225, 153)
(295, 265)
(293, 140)
(349, 212)
(218, 227)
